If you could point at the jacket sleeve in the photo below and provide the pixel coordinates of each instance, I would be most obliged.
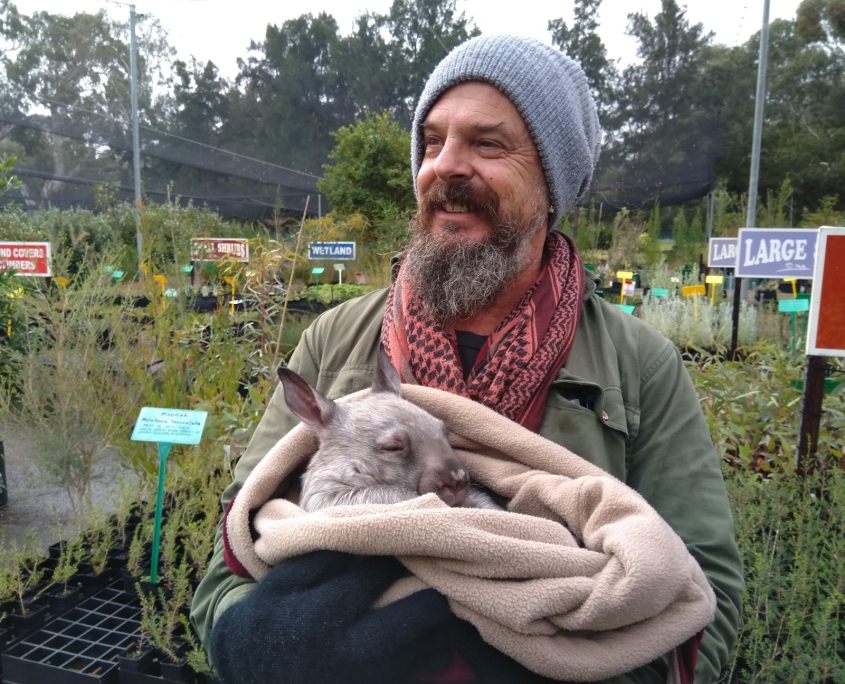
(673, 464)
(220, 588)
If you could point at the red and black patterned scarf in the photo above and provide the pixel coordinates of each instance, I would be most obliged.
(517, 363)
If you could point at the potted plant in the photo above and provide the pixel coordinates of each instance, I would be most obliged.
(63, 595)
(161, 619)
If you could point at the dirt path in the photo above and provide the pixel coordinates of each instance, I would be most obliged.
(44, 509)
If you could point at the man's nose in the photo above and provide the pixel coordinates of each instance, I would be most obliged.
(453, 164)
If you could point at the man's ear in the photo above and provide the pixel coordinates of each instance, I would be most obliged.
(306, 403)
(385, 377)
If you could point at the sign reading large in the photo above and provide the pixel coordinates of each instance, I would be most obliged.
(776, 253)
(826, 325)
(27, 258)
(214, 249)
(331, 250)
(722, 253)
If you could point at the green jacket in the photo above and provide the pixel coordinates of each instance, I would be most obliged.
(623, 401)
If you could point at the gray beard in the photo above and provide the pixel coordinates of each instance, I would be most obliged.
(455, 278)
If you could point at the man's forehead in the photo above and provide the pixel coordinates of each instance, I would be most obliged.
(492, 109)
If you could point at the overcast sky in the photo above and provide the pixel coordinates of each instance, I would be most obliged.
(221, 30)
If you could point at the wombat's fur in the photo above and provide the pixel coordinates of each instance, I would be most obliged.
(380, 449)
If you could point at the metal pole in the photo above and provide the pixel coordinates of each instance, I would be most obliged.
(711, 209)
(759, 101)
(136, 144)
(319, 206)
(740, 284)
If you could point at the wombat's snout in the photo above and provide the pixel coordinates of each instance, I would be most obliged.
(450, 483)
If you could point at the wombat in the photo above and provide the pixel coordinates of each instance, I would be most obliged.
(380, 449)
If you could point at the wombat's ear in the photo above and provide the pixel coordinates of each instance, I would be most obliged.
(385, 377)
(306, 403)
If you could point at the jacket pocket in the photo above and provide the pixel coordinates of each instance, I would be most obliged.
(590, 421)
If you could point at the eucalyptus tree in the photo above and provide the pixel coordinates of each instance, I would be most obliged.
(582, 43)
(72, 76)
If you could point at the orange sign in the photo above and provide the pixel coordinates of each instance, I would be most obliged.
(27, 258)
(826, 326)
(214, 249)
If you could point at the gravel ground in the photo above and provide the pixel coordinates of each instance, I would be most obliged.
(42, 508)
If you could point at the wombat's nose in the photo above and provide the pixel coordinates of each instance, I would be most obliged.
(454, 487)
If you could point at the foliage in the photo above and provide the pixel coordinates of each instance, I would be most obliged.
(752, 408)
(160, 614)
(66, 389)
(826, 215)
(689, 238)
(582, 43)
(791, 534)
(68, 564)
(8, 181)
(695, 322)
(328, 294)
(370, 169)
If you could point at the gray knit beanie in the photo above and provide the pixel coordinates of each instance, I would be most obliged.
(548, 89)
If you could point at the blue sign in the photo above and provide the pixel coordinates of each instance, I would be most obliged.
(776, 253)
(331, 250)
(722, 253)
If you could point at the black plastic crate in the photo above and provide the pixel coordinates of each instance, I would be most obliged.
(79, 646)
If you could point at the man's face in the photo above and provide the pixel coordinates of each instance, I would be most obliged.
(483, 202)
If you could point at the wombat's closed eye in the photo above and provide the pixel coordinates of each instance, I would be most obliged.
(380, 449)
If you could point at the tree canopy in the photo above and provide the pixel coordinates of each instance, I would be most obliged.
(309, 101)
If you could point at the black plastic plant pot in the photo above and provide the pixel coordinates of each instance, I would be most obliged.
(80, 646)
(62, 599)
(133, 661)
(93, 580)
(176, 672)
(24, 622)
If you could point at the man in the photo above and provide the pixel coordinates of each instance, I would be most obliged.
(489, 302)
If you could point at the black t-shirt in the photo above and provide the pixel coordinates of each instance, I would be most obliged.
(469, 344)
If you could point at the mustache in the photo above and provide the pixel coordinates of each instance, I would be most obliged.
(480, 200)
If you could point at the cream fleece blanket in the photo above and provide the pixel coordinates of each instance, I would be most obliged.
(611, 590)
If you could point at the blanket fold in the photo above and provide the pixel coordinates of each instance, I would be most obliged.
(579, 580)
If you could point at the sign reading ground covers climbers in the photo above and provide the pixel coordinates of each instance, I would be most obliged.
(27, 258)
(214, 249)
(826, 326)
(776, 253)
(722, 253)
(331, 250)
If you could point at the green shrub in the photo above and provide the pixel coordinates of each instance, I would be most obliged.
(695, 322)
(791, 535)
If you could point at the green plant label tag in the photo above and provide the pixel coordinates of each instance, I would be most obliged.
(170, 426)
(117, 275)
(317, 271)
(627, 308)
(659, 292)
(188, 268)
(792, 305)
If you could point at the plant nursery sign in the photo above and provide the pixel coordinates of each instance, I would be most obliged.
(214, 249)
(171, 426)
(27, 258)
(331, 250)
(826, 326)
(776, 253)
(722, 252)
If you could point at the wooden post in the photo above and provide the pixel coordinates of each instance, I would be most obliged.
(811, 414)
